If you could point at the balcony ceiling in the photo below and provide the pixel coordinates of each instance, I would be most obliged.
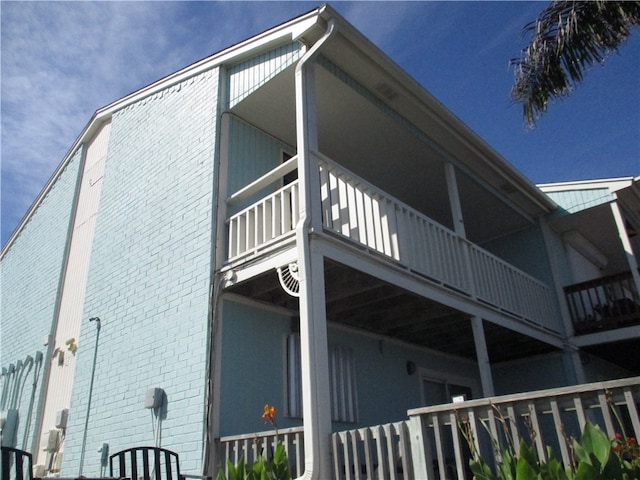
(597, 225)
(377, 147)
(365, 303)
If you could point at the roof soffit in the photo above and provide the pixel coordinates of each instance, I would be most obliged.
(366, 63)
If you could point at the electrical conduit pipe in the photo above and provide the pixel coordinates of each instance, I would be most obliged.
(93, 374)
(34, 386)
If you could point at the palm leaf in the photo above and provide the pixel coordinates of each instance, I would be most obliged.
(566, 39)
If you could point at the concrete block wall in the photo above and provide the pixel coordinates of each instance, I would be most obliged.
(30, 275)
(149, 281)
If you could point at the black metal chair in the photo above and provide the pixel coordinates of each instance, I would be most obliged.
(145, 463)
(16, 464)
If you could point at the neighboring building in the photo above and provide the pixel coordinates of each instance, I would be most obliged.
(598, 223)
(294, 221)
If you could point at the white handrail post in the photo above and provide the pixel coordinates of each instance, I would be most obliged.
(420, 447)
(626, 244)
(482, 356)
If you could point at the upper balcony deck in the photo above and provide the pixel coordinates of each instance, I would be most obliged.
(360, 214)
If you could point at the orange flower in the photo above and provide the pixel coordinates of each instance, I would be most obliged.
(269, 413)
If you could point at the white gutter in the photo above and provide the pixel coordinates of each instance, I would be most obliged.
(316, 410)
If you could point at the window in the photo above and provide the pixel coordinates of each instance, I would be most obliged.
(437, 391)
(342, 379)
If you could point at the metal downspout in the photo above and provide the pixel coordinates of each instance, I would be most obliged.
(313, 435)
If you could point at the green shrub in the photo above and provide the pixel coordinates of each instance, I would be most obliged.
(595, 457)
(276, 468)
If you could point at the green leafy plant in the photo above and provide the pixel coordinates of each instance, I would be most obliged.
(594, 457)
(264, 468)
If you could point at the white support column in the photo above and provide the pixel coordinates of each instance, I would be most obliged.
(458, 223)
(221, 254)
(316, 400)
(556, 273)
(572, 363)
(626, 244)
(454, 200)
(482, 356)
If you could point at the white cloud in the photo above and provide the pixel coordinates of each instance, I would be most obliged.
(384, 23)
(61, 61)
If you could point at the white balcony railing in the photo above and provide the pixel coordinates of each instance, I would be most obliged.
(498, 283)
(267, 221)
(264, 222)
(362, 213)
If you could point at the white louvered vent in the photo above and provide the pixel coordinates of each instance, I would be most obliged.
(342, 378)
(289, 279)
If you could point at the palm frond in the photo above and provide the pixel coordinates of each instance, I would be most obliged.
(566, 39)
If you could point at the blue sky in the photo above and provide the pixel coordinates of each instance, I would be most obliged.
(61, 61)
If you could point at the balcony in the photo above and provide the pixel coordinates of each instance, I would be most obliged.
(430, 445)
(362, 215)
(603, 304)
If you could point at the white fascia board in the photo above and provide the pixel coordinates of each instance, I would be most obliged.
(289, 31)
(613, 184)
(607, 336)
